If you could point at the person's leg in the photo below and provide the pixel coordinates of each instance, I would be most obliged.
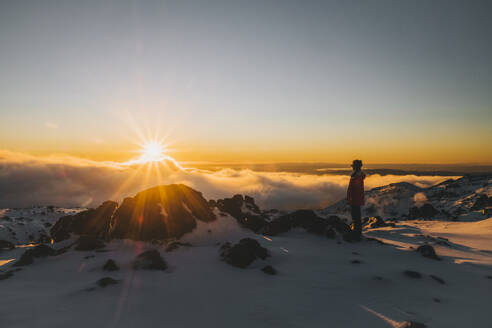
(356, 220)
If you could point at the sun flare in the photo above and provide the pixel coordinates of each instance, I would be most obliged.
(152, 151)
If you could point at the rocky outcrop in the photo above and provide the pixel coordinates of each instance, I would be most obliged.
(93, 222)
(425, 211)
(154, 214)
(244, 210)
(5, 244)
(308, 220)
(243, 253)
(35, 252)
(150, 260)
(428, 251)
(159, 213)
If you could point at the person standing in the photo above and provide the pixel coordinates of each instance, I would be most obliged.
(355, 197)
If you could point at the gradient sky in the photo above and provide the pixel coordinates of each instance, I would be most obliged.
(387, 81)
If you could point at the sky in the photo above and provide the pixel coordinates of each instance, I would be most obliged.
(249, 81)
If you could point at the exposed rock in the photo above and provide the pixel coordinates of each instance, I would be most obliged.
(428, 251)
(356, 262)
(175, 245)
(35, 252)
(481, 202)
(411, 324)
(269, 270)
(425, 211)
(412, 274)
(160, 213)
(330, 233)
(244, 210)
(110, 265)
(106, 281)
(150, 260)
(377, 222)
(243, 253)
(93, 222)
(89, 243)
(439, 280)
(308, 220)
(5, 244)
(6, 275)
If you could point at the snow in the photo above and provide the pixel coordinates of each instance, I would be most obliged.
(317, 285)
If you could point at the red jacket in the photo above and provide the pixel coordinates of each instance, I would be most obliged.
(355, 191)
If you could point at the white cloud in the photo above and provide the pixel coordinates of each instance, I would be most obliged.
(69, 181)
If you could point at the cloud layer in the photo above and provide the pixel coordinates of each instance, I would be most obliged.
(67, 181)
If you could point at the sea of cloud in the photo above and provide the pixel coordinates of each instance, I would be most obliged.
(27, 180)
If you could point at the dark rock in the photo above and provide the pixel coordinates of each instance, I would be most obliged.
(352, 236)
(160, 213)
(376, 222)
(35, 252)
(412, 274)
(356, 262)
(428, 251)
(243, 253)
(150, 260)
(355, 253)
(89, 243)
(6, 275)
(93, 222)
(110, 265)
(379, 241)
(439, 280)
(378, 278)
(488, 277)
(412, 324)
(175, 245)
(5, 244)
(481, 202)
(89, 257)
(330, 233)
(308, 220)
(435, 299)
(244, 210)
(106, 281)
(425, 211)
(269, 270)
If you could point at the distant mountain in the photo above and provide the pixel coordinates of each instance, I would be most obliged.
(466, 199)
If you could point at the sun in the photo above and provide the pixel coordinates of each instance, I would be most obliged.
(152, 151)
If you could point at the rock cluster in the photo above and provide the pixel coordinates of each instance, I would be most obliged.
(154, 214)
(243, 253)
(244, 210)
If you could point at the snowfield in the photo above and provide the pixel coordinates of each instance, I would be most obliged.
(320, 282)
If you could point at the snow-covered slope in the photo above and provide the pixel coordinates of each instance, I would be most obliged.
(320, 282)
(453, 199)
(26, 225)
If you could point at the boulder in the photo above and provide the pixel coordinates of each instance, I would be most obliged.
(93, 222)
(439, 280)
(243, 253)
(5, 244)
(412, 274)
(269, 270)
(244, 210)
(160, 213)
(425, 211)
(411, 324)
(308, 220)
(110, 265)
(481, 202)
(106, 281)
(376, 222)
(36, 252)
(150, 260)
(428, 251)
(89, 243)
(175, 245)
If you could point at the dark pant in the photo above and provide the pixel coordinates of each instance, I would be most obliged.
(356, 219)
